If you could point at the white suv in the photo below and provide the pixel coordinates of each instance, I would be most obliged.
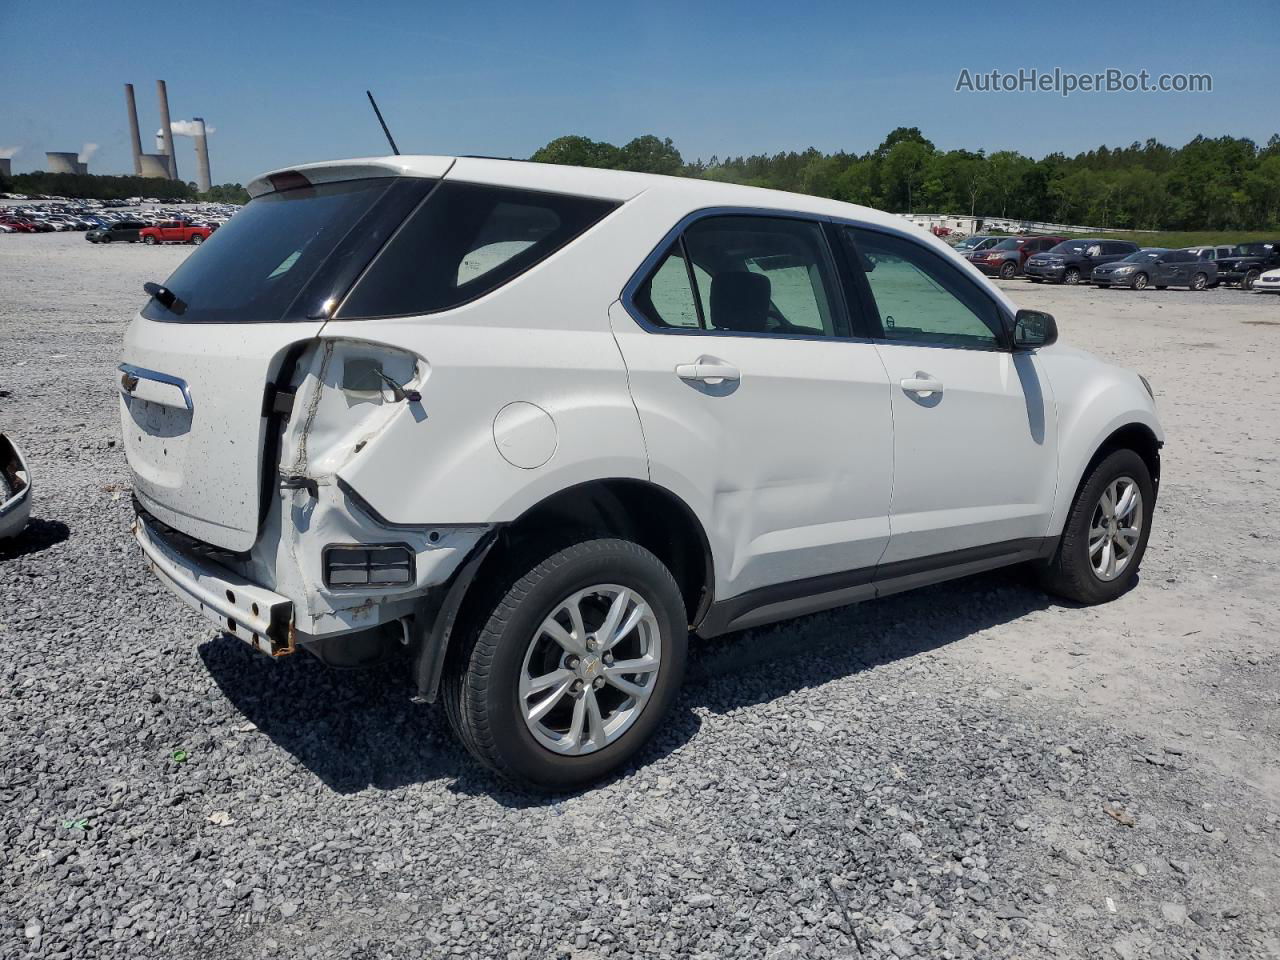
(538, 423)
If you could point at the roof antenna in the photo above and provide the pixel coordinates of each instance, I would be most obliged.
(374, 104)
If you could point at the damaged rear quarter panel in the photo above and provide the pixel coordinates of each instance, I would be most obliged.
(330, 427)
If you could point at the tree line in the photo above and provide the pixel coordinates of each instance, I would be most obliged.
(1223, 183)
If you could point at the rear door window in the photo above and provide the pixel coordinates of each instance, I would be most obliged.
(765, 275)
(464, 241)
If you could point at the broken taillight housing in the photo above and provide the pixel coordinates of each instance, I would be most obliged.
(368, 566)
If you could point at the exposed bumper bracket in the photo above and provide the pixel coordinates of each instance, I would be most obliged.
(260, 617)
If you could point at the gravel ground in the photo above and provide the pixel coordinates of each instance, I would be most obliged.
(969, 770)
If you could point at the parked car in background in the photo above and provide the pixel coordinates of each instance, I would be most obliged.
(609, 409)
(975, 242)
(1072, 261)
(176, 231)
(1249, 263)
(27, 225)
(1220, 252)
(1157, 267)
(1268, 282)
(1006, 259)
(125, 231)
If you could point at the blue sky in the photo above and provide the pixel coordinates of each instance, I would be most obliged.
(285, 83)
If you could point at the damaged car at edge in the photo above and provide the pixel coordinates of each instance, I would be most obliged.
(15, 489)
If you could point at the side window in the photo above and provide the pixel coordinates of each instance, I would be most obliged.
(666, 298)
(464, 241)
(920, 297)
(765, 275)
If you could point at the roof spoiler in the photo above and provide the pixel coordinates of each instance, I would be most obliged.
(309, 174)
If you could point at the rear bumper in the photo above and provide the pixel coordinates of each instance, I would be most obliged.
(260, 617)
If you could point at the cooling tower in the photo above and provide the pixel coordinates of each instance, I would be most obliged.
(82, 166)
(6, 167)
(166, 128)
(154, 165)
(202, 156)
(135, 140)
(60, 162)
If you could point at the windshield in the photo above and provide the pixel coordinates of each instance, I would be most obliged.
(1142, 256)
(1069, 246)
(1010, 244)
(256, 265)
(968, 243)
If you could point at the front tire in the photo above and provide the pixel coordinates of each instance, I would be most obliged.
(149, 240)
(1072, 276)
(1008, 270)
(1105, 536)
(1250, 279)
(1140, 281)
(538, 689)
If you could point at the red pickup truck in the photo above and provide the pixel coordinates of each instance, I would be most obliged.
(175, 231)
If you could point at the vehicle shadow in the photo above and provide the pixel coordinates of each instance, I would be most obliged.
(38, 535)
(356, 729)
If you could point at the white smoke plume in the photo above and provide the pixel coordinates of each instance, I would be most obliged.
(187, 128)
(87, 152)
(8, 153)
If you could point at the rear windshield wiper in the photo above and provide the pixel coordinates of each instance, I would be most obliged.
(166, 297)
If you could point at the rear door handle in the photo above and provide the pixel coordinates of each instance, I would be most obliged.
(708, 371)
(924, 386)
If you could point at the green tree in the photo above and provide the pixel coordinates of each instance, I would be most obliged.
(904, 168)
(578, 151)
(648, 154)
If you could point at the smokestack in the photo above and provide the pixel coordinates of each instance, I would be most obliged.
(203, 182)
(166, 128)
(6, 167)
(134, 139)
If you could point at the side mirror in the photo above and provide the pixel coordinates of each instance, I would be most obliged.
(1033, 328)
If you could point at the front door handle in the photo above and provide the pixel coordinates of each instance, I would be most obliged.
(709, 371)
(924, 386)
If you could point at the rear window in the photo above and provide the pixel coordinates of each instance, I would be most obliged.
(258, 264)
(463, 242)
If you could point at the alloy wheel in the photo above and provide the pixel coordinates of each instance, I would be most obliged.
(589, 669)
(1115, 529)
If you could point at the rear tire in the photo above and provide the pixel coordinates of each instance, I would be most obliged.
(1199, 282)
(1072, 573)
(196, 239)
(509, 642)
